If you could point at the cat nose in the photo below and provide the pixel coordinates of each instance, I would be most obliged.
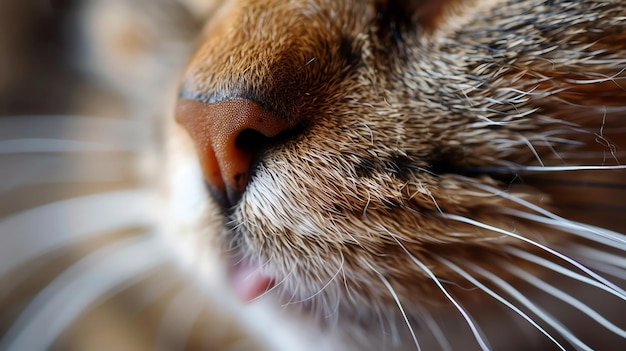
(229, 136)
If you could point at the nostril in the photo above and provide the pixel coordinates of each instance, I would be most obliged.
(229, 137)
(251, 141)
(254, 142)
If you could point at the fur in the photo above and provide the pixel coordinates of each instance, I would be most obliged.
(451, 177)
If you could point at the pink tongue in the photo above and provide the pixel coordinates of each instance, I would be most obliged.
(249, 283)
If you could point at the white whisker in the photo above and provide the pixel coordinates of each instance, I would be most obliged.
(532, 149)
(542, 169)
(431, 275)
(561, 329)
(600, 235)
(618, 261)
(37, 169)
(534, 243)
(562, 270)
(590, 155)
(612, 78)
(100, 274)
(34, 232)
(502, 300)
(281, 282)
(294, 293)
(608, 269)
(570, 300)
(334, 312)
(399, 304)
(41, 145)
(435, 330)
(46, 134)
(548, 143)
(62, 126)
(332, 279)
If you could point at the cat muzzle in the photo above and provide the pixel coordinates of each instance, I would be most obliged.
(230, 136)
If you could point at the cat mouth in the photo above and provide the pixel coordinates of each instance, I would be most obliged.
(249, 281)
(245, 275)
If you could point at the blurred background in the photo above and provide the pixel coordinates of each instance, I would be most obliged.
(69, 155)
(37, 75)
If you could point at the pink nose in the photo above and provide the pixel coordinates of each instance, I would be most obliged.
(229, 135)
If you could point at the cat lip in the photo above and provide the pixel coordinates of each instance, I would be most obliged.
(225, 201)
(249, 281)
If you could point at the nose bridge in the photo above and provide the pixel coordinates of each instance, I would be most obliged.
(216, 128)
(279, 66)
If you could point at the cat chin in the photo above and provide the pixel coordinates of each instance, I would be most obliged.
(191, 228)
(191, 232)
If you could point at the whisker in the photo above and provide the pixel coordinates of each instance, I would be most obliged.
(46, 145)
(389, 326)
(72, 134)
(532, 149)
(431, 275)
(570, 300)
(541, 169)
(100, 274)
(435, 330)
(60, 126)
(349, 295)
(599, 235)
(335, 311)
(294, 293)
(28, 119)
(549, 141)
(554, 323)
(614, 238)
(595, 207)
(602, 256)
(53, 169)
(608, 269)
(593, 155)
(534, 243)
(36, 231)
(399, 304)
(562, 270)
(603, 78)
(579, 183)
(590, 155)
(325, 285)
(281, 282)
(502, 300)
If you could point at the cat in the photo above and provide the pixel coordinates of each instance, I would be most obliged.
(355, 175)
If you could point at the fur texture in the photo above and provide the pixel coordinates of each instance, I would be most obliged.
(422, 149)
(451, 178)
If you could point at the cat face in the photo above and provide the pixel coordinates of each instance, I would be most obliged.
(364, 154)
